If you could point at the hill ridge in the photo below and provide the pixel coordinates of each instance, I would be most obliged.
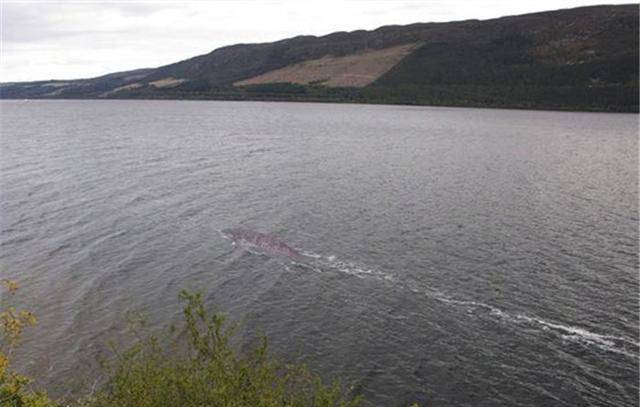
(584, 58)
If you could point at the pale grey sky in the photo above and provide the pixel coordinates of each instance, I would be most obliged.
(75, 38)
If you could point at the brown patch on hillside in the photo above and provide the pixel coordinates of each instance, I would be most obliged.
(125, 87)
(166, 82)
(356, 70)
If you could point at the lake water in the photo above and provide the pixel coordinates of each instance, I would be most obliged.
(469, 257)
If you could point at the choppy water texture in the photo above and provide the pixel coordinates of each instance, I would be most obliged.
(471, 257)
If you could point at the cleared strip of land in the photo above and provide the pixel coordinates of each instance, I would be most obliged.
(356, 70)
(121, 88)
(167, 82)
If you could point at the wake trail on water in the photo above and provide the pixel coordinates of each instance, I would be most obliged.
(348, 267)
(610, 343)
(320, 263)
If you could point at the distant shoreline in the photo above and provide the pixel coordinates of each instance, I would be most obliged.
(579, 59)
(324, 101)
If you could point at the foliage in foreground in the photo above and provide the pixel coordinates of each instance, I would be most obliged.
(14, 388)
(212, 373)
(208, 371)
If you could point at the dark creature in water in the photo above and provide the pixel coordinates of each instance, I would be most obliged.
(268, 243)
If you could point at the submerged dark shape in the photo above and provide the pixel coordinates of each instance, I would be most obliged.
(266, 242)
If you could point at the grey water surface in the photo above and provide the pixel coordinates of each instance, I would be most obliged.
(468, 257)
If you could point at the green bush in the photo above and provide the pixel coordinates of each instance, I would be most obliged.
(206, 371)
(15, 389)
(210, 372)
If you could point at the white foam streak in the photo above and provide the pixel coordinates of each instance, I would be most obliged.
(309, 254)
(351, 268)
(609, 343)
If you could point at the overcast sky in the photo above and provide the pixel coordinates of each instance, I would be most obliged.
(76, 39)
